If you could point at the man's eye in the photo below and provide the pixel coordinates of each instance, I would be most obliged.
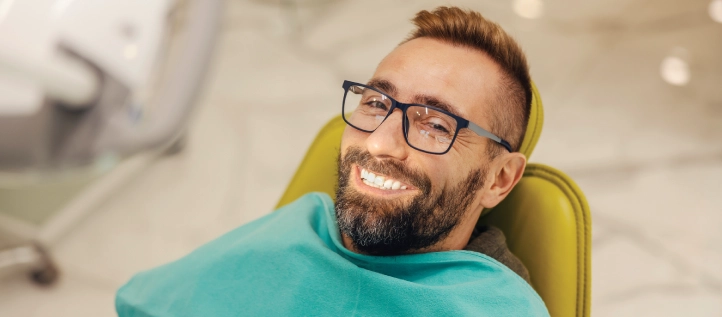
(439, 128)
(376, 104)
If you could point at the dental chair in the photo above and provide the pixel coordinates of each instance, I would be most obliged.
(86, 86)
(545, 218)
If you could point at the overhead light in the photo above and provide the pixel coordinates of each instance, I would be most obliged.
(715, 10)
(675, 69)
(529, 9)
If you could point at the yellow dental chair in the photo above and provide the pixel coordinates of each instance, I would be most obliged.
(545, 218)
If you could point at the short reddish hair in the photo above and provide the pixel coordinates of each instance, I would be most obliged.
(455, 26)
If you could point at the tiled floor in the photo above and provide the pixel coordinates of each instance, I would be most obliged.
(648, 154)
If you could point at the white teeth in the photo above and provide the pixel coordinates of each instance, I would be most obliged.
(380, 182)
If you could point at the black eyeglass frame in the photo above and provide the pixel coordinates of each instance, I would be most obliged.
(460, 122)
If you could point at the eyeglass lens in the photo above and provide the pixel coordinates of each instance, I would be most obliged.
(426, 129)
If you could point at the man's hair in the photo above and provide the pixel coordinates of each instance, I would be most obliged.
(510, 113)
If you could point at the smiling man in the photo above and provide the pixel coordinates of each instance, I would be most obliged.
(430, 142)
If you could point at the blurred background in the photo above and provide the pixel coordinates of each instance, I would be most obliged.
(632, 91)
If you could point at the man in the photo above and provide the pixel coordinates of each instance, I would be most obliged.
(430, 141)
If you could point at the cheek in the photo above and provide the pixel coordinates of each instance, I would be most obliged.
(441, 171)
(352, 137)
(447, 171)
(346, 140)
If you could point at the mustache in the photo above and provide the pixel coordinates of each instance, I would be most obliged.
(391, 168)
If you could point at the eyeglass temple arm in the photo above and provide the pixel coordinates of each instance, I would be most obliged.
(482, 132)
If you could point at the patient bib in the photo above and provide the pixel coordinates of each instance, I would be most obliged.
(292, 263)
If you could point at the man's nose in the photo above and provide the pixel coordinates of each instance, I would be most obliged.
(387, 141)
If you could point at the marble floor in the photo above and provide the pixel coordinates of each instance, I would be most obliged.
(643, 143)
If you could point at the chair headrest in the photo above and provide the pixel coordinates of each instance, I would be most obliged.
(536, 121)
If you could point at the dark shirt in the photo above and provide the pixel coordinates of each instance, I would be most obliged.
(491, 241)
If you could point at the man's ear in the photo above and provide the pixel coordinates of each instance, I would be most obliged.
(505, 174)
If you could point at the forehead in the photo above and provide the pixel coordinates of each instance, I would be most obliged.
(461, 77)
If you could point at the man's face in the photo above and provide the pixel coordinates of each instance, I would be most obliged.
(435, 192)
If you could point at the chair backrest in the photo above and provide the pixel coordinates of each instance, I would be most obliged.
(545, 218)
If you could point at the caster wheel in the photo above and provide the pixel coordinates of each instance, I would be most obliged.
(45, 272)
(45, 276)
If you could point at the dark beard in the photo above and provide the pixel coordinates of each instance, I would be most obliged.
(384, 227)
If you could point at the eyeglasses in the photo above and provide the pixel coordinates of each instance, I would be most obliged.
(426, 128)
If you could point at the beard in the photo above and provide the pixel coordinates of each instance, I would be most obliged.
(393, 227)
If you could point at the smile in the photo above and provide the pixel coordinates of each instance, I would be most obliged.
(375, 180)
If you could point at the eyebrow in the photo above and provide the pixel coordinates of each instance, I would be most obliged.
(435, 102)
(383, 85)
(389, 88)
